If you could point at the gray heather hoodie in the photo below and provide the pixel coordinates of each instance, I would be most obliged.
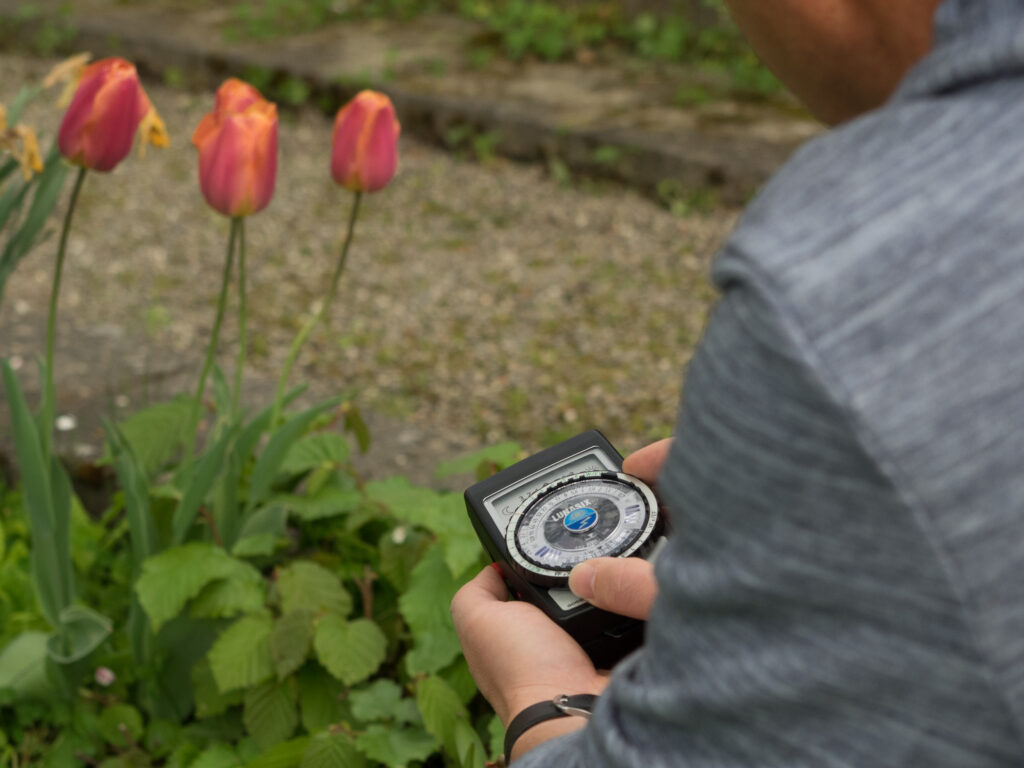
(846, 582)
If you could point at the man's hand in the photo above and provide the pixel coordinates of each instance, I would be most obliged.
(518, 656)
(623, 585)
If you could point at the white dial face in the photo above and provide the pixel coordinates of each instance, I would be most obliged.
(587, 515)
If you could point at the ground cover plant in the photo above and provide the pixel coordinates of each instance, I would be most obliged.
(245, 598)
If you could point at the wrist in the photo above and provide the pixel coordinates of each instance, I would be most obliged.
(528, 695)
(543, 732)
(545, 720)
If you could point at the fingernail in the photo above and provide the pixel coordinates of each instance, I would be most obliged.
(581, 580)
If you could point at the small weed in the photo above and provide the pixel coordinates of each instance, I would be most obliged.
(292, 91)
(608, 155)
(484, 146)
(684, 201)
(174, 77)
(691, 95)
(559, 171)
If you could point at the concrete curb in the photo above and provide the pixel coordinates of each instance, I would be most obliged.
(729, 148)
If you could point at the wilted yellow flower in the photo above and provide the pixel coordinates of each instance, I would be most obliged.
(68, 72)
(21, 143)
(152, 131)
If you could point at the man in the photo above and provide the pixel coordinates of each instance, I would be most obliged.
(845, 586)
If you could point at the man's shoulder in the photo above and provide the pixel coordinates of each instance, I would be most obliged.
(892, 250)
(918, 187)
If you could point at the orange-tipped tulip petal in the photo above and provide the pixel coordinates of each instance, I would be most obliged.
(364, 153)
(100, 124)
(237, 145)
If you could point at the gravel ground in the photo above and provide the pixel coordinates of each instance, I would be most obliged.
(482, 302)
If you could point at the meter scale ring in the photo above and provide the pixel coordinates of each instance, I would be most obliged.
(576, 518)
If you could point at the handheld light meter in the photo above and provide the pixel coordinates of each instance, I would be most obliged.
(544, 515)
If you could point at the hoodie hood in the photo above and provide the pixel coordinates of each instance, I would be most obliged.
(975, 40)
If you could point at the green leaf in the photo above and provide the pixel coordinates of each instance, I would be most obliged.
(79, 633)
(327, 502)
(48, 187)
(121, 725)
(260, 532)
(321, 449)
(23, 666)
(161, 736)
(441, 709)
(460, 679)
(425, 608)
(132, 477)
(351, 651)
(498, 456)
(400, 550)
(355, 424)
(441, 513)
(273, 455)
(377, 701)
(221, 390)
(290, 642)
(396, 746)
(154, 434)
(38, 499)
(173, 577)
(241, 655)
(227, 598)
(25, 96)
(226, 509)
(327, 750)
(495, 737)
(217, 756)
(85, 537)
(201, 481)
(319, 697)
(408, 712)
(306, 586)
(208, 698)
(285, 755)
(260, 545)
(252, 432)
(179, 646)
(270, 715)
(468, 746)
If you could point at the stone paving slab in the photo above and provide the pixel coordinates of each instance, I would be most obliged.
(532, 110)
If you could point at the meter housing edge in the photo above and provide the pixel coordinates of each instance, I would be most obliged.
(534, 487)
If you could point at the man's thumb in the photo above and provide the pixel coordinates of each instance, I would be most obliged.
(623, 585)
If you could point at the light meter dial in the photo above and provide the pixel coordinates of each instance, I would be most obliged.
(579, 517)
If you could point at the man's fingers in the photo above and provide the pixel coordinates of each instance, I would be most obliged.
(621, 585)
(487, 586)
(646, 462)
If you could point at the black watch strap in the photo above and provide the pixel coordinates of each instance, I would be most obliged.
(580, 705)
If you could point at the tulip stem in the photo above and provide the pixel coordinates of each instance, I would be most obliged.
(49, 389)
(303, 334)
(236, 395)
(211, 349)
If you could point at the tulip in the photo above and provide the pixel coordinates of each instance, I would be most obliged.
(237, 145)
(100, 124)
(365, 143)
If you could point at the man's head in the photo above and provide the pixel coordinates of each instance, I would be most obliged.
(840, 57)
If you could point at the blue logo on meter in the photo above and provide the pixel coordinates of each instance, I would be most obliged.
(580, 520)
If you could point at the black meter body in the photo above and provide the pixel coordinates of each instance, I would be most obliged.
(540, 517)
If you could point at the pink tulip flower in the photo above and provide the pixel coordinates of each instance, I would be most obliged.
(364, 155)
(99, 126)
(237, 145)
